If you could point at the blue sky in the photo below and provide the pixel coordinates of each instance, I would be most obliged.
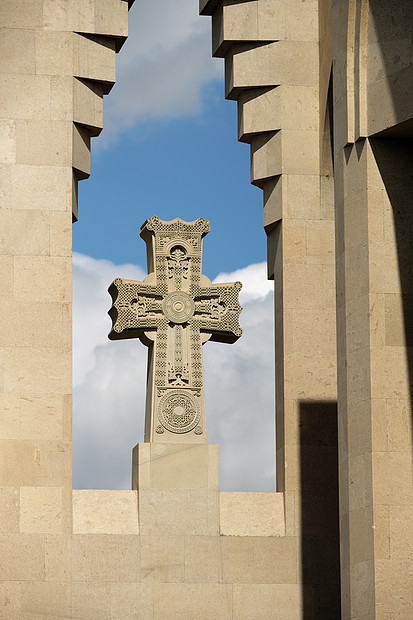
(169, 148)
(187, 167)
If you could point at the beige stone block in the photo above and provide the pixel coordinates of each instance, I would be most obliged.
(202, 559)
(259, 110)
(41, 187)
(35, 463)
(105, 512)
(359, 425)
(167, 466)
(389, 373)
(78, 16)
(10, 600)
(17, 51)
(41, 417)
(301, 20)
(380, 425)
(314, 335)
(361, 534)
(88, 104)
(310, 377)
(360, 481)
(41, 510)
(111, 17)
(401, 532)
(295, 241)
(162, 558)
(327, 197)
(31, 416)
(179, 512)
(299, 108)
(43, 599)
(33, 326)
(320, 242)
(25, 14)
(9, 509)
(61, 233)
(357, 322)
(377, 319)
(129, 601)
(302, 197)
(258, 559)
(7, 141)
(271, 20)
(300, 284)
(392, 478)
(25, 557)
(384, 268)
(192, 601)
(9, 416)
(101, 557)
(39, 278)
(94, 58)
(252, 514)
(381, 530)
(356, 228)
(25, 97)
(262, 601)
(395, 324)
(274, 193)
(5, 185)
(358, 377)
(362, 590)
(54, 53)
(89, 600)
(57, 549)
(399, 425)
(233, 22)
(61, 98)
(81, 150)
(394, 587)
(44, 143)
(300, 152)
(266, 157)
(37, 372)
(356, 272)
(282, 62)
(17, 233)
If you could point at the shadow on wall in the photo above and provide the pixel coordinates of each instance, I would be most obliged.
(393, 147)
(320, 551)
(394, 159)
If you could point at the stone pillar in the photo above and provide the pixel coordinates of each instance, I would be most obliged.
(374, 224)
(57, 61)
(277, 66)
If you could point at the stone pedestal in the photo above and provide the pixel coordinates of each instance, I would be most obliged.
(175, 466)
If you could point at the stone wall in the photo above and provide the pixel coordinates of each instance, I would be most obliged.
(331, 149)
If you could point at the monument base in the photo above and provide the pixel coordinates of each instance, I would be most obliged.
(175, 466)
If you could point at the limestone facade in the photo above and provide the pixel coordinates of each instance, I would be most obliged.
(324, 91)
(331, 150)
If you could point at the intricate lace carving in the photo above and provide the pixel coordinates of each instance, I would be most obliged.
(173, 304)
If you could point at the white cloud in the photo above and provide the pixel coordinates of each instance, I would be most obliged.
(109, 388)
(162, 68)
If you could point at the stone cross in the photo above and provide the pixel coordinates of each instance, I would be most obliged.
(174, 311)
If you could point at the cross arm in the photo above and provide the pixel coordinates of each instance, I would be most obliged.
(136, 309)
(217, 307)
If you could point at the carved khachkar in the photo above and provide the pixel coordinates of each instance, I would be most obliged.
(174, 311)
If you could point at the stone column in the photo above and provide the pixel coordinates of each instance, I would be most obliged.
(374, 190)
(277, 66)
(57, 61)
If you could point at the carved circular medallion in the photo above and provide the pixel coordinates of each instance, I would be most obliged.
(178, 307)
(178, 412)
